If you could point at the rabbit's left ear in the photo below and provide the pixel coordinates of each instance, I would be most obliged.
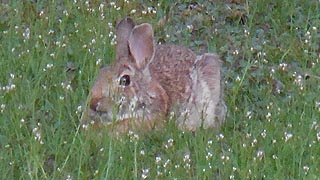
(123, 31)
(141, 44)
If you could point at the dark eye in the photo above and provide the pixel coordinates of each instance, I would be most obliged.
(125, 80)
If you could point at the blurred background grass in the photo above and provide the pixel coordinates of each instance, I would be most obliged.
(51, 51)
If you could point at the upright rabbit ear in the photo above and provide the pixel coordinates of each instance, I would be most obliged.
(123, 31)
(141, 44)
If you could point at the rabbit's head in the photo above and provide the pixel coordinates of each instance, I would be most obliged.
(126, 95)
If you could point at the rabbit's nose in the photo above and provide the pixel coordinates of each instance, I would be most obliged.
(94, 104)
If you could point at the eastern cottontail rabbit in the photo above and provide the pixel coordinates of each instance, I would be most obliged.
(148, 82)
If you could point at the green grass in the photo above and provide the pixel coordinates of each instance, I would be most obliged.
(49, 57)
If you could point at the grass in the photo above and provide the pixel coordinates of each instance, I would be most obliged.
(51, 51)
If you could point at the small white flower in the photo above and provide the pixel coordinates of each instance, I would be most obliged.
(98, 61)
(260, 154)
(145, 173)
(238, 79)
(318, 136)
(306, 169)
(249, 114)
(287, 136)
(133, 11)
(51, 31)
(209, 155)
(158, 159)
(220, 137)
(254, 142)
(263, 133)
(26, 33)
(190, 27)
(49, 66)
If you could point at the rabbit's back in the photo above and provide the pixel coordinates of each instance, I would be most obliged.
(171, 67)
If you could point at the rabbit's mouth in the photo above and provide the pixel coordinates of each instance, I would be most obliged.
(109, 113)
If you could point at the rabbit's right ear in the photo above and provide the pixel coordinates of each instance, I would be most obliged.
(141, 44)
(123, 31)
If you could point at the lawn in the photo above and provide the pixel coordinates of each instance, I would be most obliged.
(51, 52)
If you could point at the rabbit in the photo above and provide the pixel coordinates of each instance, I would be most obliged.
(148, 84)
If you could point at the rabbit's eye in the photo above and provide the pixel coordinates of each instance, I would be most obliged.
(125, 80)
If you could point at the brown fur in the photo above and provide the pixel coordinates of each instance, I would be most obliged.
(148, 82)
